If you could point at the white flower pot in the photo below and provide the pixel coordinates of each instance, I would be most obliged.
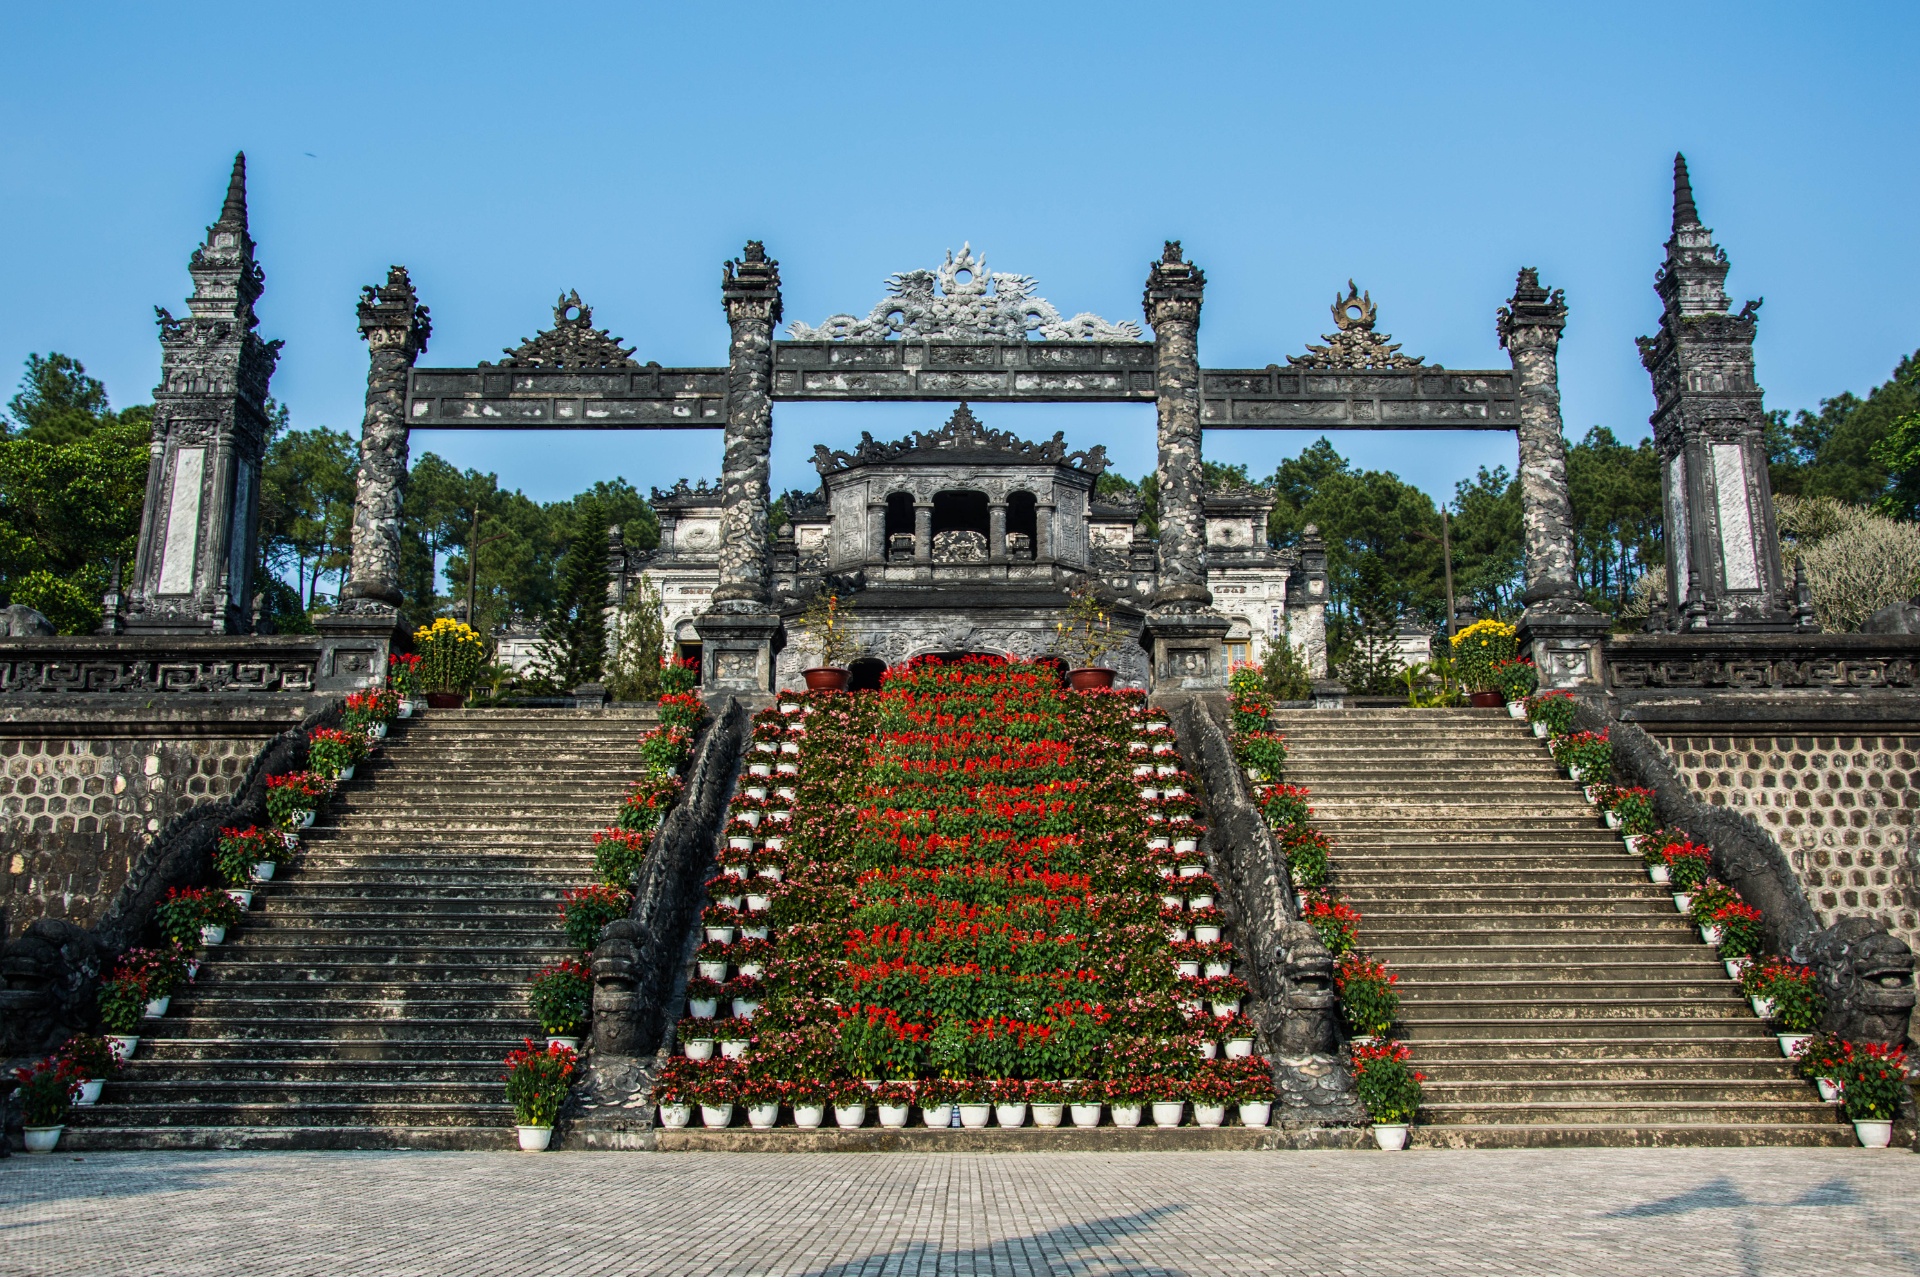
(1738, 966)
(535, 1137)
(89, 1092)
(1592, 793)
(722, 933)
(761, 770)
(752, 968)
(1683, 902)
(975, 1115)
(1872, 1133)
(290, 840)
(1148, 793)
(774, 842)
(716, 1117)
(569, 1042)
(809, 1116)
(1192, 869)
(1219, 968)
(307, 817)
(789, 748)
(1126, 1115)
(1155, 726)
(1256, 1115)
(1829, 1088)
(42, 1138)
(263, 871)
(1188, 968)
(740, 844)
(1711, 934)
(733, 1048)
(1011, 1115)
(377, 730)
(745, 1008)
(213, 934)
(1176, 933)
(1206, 933)
(699, 1050)
(780, 815)
(158, 1008)
(1634, 843)
(1518, 710)
(346, 775)
(1143, 770)
(242, 896)
(893, 1115)
(1240, 1047)
(124, 1045)
(758, 902)
(1167, 1115)
(762, 1115)
(404, 711)
(1762, 1006)
(1390, 1137)
(1224, 1008)
(702, 1008)
(676, 1115)
(713, 970)
(1613, 821)
(1209, 1115)
(850, 1116)
(1186, 844)
(1578, 774)
(1539, 729)
(1157, 842)
(1086, 1115)
(749, 816)
(772, 873)
(1790, 1041)
(1660, 873)
(758, 932)
(789, 708)
(1048, 1115)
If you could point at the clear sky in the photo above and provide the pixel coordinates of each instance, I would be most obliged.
(505, 153)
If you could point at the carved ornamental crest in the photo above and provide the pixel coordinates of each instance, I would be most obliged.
(1354, 344)
(962, 431)
(572, 343)
(961, 299)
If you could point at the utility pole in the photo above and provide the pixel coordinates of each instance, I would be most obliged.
(475, 542)
(1446, 556)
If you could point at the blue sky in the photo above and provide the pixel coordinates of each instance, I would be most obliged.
(1425, 151)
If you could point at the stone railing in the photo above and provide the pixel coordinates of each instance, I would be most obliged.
(50, 974)
(1866, 974)
(146, 666)
(1789, 677)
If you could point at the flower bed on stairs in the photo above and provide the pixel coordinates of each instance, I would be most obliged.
(973, 893)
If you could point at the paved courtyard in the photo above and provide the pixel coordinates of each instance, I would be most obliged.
(1700, 1211)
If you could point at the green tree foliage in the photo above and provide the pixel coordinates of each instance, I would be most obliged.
(1832, 454)
(1488, 563)
(1617, 516)
(306, 506)
(573, 633)
(72, 479)
(1899, 452)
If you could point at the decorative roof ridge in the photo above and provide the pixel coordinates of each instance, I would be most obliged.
(572, 343)
(1354, 344)
(961, 431)
(685, 495)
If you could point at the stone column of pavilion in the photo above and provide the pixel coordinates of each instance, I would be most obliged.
(736, 632)
(366, 627)
(1564, 634)
(1185, 637)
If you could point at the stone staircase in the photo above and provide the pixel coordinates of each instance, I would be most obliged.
(370, 995)
(1550, 992)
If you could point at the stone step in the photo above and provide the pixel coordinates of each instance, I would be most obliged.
(150, 1071)
(1419, 1009)
(1437, 1045)
(502, 1008)
(1469, 987)
(413, 955)
(257, 1031)
(1595, 1070)
(242, 969)
(1815, 1112)
(1532, 951)
(258, 1133)
(1482, 910)
(1386, 933)
(1438, 1092)
(421, 1049)
(1602, 975)
(1696, 1028)
(305, 1093)
(439, 914)
(313, 893)
(1560, 879)
(278, 984)
(408, 1115)
(587, 810)
(1525, 1134)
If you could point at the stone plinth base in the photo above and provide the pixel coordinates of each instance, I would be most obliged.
(354, 646)
(1566, 648)
(736, 651)
(1188, 650)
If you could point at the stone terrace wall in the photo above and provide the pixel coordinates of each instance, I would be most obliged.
(82, 790)
(1843, 807)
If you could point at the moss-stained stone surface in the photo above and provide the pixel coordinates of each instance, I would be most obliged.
(1843, 807)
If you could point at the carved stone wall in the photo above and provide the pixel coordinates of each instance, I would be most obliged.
(76, 811)
(1843, 807)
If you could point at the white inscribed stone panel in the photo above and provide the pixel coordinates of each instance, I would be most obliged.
(1736, 519)
(183, 524)
(1677, 522)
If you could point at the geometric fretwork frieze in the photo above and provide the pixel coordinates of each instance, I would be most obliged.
(1714, 671)
(133, 674)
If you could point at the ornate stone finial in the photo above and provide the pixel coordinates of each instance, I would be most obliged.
(1685, 214)
(572, 343)
(1532, 308)
(392, 317)
(750, 285)
(234, 212)
(1174, 289)
(961, 299)
(756, 251)
(1354, 344)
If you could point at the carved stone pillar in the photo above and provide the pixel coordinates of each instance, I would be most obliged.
(997, 533)
(200, 528)
(1724, 571)
(737, 632)
(876, 533)
(1184, 636)
(396, 328)
(923, 533)
(1043, 532)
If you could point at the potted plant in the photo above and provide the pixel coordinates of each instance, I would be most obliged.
(670, 1093)
(1126, 1099)
(247, 855)
(1873, 1083)
(1212, 1091)
(94, 1061)
(1389, 1090)
(1085, 1102)
(1251, 1081)
(587, 911)
(809, 1100)
(1632, 814)
(828, 624)
(1284, 806)
(1477, 650)
(451, 657)
(1168, 1110)
(1307, 852)
(1793, 993)
(1516, 680)
(1263, 755)
(561, 998)
(162, 971)
(713, 1089)
(1551, 714)
(1047, 1100)
(618, 855)
(1337, 924)
(1086, 633)
(973, 1099)
(537, 1084)
(1368, 1001)
(762, 1095)
(1586, 756)
(46, 1090)
(850, 1099)
(403, 681)
(1822, 1059)
(122, 1001)
(1688, 865)
(333, 753)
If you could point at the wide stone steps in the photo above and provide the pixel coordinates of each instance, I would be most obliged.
(1550, 992)
(369, 998)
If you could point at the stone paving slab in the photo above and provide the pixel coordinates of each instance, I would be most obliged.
(1593, 1212)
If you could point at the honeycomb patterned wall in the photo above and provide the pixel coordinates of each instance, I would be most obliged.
(1842, 807)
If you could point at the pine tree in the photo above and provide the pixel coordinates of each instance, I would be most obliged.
(573, 635)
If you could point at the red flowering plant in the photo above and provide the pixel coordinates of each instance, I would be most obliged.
(1284, 806)
(161, 971)
(91, 1057)
(240, 849)
(1708, 897)
(184, 912)
(1873, 1081)
(1337, 923)
(1368, 999)
(1633, 807)
(368, 708)
(291, 794)
(1688, 864)
(122, 999)
(587, 911)
(537, 1082)
(561, 998)
(678, 675)
(1555, 710)
(666, 749)
(1740, 929)
(1387, 1084)
(682, 710)
(331, 752)
(1823, 1055)
(1307, 852)
(1588, 756)
(47, 1090)
(618, 855)
(403, 673)
(648, 801)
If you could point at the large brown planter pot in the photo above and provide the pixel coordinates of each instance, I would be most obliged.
(825, 678)
(1487, 698)
(1085, 678)
(447, 701)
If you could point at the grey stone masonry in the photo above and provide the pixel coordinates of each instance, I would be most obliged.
(1723, 552)
(396, 328)
(1530, 326)
(193, 571)
(1172, 304)
(1843, 807)
(750, 289)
